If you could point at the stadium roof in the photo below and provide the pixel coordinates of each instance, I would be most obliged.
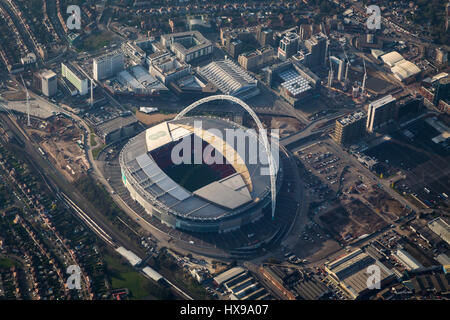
(230, 192)
(153, 172)
(228, 196)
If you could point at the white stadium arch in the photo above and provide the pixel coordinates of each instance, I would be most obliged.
(238, 101)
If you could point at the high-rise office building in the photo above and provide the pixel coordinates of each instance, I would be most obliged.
(442, 90)
(75, 77)
(381, 112)
(264, 35)
(410, 106)
(45, 81)
(338, 67)
(350, 128)
(305, 31)
(441, 55)
(108, 65)
(447, 16)
(317, 46)
(288, 45)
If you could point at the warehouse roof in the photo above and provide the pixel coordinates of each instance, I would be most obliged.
(351, 271)
(228, 76)
(404, 69)
(392, 58)
(441, 228)
(228, 275)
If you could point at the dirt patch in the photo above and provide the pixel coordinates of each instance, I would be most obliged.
(351, 221)
(286, 125)
(62, 142)
(153, 118)
(14, 95)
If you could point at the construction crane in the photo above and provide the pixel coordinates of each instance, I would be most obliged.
(347, 65)
(92, 95)
(28, 102)
(363, 88)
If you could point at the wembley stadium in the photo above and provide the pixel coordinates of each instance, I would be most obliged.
(217, 197)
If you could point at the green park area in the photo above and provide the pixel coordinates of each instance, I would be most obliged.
(96, 151)
(122, 275)
(6, 263)
(96, 41)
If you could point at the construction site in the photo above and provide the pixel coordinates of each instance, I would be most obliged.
(62, 142)
(286, 125)
(344, 200)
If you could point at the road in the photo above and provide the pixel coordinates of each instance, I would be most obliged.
(16, 16)
(84, 210)
(310, 129)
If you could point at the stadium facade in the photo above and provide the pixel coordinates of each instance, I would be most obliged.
(238, 195)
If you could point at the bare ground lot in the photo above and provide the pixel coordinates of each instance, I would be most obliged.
(154, 118)
(351, 221)
(385, 204)
(58, 139)
(286, 125)
(424, 162)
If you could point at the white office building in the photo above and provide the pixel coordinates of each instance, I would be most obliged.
(108, 65)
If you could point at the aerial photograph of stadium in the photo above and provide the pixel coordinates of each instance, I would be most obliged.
(214, 158)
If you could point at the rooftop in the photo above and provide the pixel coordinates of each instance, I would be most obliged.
(383, 101)
(108, 55)
(392, 58)
(232, 194)
(294, 83)
(169, 64)
(116, 123)
(441, 228)
(176, 41)
(405, 69)
(228, 275)
(138, 79)
(351, 118)
(47, 74)
(74, 70)
(351, 270)
(228, 77)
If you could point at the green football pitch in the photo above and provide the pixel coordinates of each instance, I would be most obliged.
(192, 176)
